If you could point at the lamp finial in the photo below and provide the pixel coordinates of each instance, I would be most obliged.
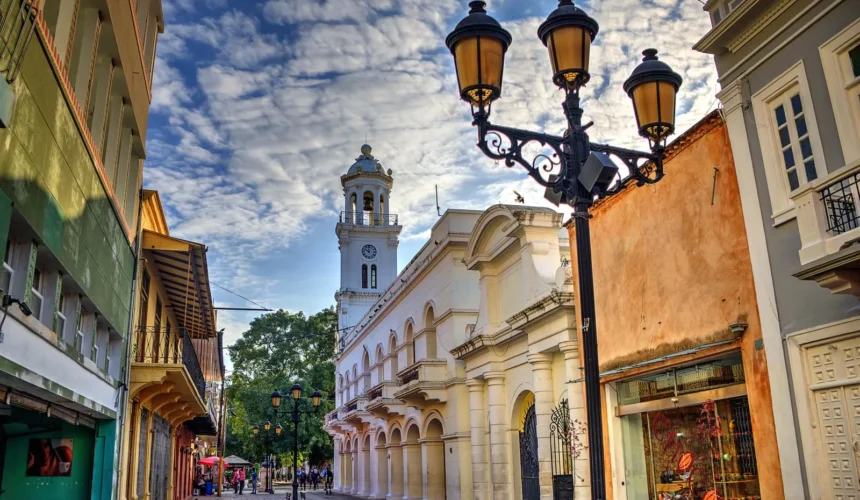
(477, 7)
(649, 55)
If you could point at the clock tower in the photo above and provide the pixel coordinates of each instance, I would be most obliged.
(367, 237)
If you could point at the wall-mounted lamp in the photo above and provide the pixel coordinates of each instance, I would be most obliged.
(8, 300)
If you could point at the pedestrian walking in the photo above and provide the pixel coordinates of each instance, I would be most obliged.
(235, 481)
(241, 481)
(329, 479)
(254, 481)
(315, 478)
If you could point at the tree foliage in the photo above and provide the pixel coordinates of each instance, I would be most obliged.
(278, 350)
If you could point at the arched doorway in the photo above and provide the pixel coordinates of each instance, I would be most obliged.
(434, 456)
(529, 466)
(395, 464)
(413, 466)
(365, 465)
(381, 466)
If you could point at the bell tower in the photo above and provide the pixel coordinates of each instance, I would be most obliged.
(367, 237)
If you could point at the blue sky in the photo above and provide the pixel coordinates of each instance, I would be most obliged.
(260, 105)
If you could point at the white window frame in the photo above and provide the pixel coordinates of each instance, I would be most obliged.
(844, 89)
(79, 340)
(763, 102)
(60, 307)
(35, 288)
(95, 351)
(7, 266)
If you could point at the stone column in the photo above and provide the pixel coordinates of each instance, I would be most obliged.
(542, 380)
(576, 402)
(499, 459)
(335, 469)
(433, 472)
(477, 417)
(395, 472)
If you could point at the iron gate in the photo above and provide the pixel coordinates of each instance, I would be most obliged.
(529, 468)
(559, 442)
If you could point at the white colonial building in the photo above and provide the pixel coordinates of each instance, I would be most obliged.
(454, 378)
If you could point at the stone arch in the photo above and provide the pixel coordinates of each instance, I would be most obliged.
(392, 353)
(395, 457)
(523, 400)
(382, 457)
(365, 464)
(413, 480)
(429, 332)
(380, 363)
(409, 340)
(432, 415)
(355, 380)
(365, 370)
(433, 455)
(346, 389)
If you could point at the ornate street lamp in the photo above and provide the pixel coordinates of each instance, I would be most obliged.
(568, 33)
(296, 391)
(575, 171)
(276, 399)
(479, 44)
(653, 87)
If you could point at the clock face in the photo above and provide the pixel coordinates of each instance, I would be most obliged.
(368, 251)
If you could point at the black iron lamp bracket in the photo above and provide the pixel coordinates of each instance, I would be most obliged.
(549, 167)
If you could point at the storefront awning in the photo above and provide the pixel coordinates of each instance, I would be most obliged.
(184, 272)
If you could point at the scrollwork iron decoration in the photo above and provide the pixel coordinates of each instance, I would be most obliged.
(507, 144)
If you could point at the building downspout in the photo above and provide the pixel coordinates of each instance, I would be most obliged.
(126, 378)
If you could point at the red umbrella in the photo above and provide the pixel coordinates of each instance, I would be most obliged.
(212, 461)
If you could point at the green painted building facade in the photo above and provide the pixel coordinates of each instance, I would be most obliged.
(73, 106)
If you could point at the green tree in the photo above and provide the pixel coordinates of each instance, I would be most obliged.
(278, 350)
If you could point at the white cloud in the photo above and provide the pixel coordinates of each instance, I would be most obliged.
(269, 116)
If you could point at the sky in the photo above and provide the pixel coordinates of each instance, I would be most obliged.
(259, 106)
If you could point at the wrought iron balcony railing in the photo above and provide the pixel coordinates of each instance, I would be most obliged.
(169, 346)
(840, 204)
(409, 375)
(368, 219)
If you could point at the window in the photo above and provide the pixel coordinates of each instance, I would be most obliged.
(794, 142)
(840, 59)
(721, 10)
(789, 139)
(60, 325)
(8, 271)
(36, 297)
(373, 276)
(364, 276)
(79, 332)
(95, 353)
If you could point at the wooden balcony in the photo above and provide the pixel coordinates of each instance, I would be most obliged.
(422, 383)
(166, 375)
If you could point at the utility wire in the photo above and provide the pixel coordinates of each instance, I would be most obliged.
(240, 296)
(297, 337)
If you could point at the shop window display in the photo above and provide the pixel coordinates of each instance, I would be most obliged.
(701, 451)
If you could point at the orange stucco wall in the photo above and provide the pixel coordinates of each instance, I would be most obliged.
(672, 271)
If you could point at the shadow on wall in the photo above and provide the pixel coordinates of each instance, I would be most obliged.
(52, 182)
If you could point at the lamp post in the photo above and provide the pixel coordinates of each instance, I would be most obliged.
(296, 392)
(267, 426)
(575, 171)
